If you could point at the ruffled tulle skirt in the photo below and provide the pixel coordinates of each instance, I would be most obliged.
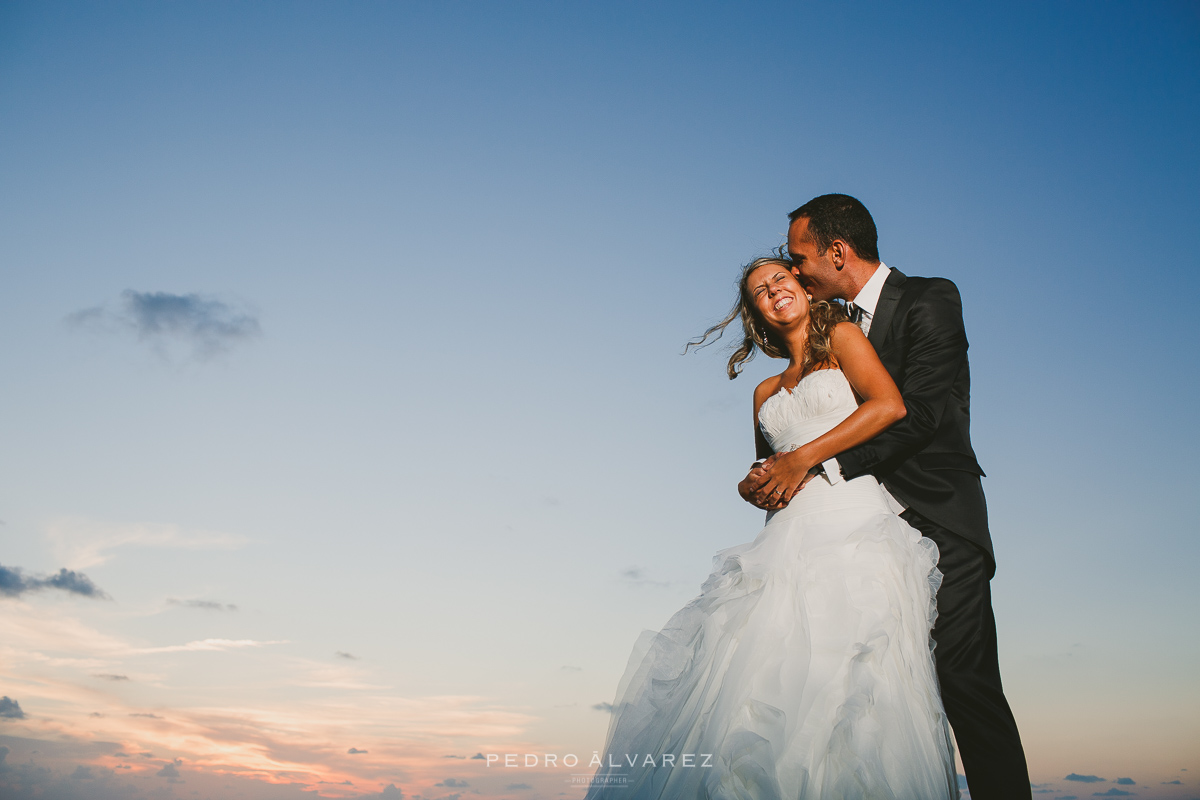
(803, 669)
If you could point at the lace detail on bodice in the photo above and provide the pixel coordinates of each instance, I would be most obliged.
(790, 418)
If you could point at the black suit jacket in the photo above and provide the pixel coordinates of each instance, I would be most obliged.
(926, 459)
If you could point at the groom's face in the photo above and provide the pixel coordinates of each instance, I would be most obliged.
(814, 270)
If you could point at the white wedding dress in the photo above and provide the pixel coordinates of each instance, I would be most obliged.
(804, 668)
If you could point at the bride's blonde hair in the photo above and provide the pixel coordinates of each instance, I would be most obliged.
(823, 316)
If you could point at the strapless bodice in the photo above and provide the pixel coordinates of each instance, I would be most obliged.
(790, 418)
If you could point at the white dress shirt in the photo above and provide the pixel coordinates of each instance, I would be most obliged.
(868, 296)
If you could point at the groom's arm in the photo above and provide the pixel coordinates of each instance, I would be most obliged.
(937, 351)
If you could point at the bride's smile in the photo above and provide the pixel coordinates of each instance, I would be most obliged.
(781, 302)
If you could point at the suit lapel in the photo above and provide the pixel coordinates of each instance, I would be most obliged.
(889, 298)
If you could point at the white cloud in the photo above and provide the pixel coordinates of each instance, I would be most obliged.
(208, 645)
(80, 543)
(31, 632)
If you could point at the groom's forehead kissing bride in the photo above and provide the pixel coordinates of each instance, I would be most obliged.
(927, 464)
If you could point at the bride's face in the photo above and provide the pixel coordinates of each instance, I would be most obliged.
(778, 297)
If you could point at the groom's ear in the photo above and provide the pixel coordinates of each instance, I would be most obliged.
(837, 254)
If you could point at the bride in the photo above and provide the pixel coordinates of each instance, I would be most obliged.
(804, 668)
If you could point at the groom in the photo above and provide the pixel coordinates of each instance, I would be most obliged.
(926, 463)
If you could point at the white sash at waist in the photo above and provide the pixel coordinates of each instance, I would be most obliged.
(862, 494)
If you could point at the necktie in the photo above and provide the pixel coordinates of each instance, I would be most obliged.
(856, 313)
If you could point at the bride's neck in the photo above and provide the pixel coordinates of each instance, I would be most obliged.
(796, 342)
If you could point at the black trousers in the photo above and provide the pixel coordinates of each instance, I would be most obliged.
(968, 669)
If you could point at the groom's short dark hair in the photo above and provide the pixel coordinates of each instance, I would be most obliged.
(840, 216)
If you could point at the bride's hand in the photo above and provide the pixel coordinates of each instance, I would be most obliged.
(787, 475)
(749, 486)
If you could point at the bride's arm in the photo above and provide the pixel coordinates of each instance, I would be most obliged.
(748, 488)
(762, 449)
(881, 408)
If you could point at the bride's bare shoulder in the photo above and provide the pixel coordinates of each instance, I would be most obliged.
(844, 332)
(765, 389)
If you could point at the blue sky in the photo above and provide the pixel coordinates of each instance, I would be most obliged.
(431, 267)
